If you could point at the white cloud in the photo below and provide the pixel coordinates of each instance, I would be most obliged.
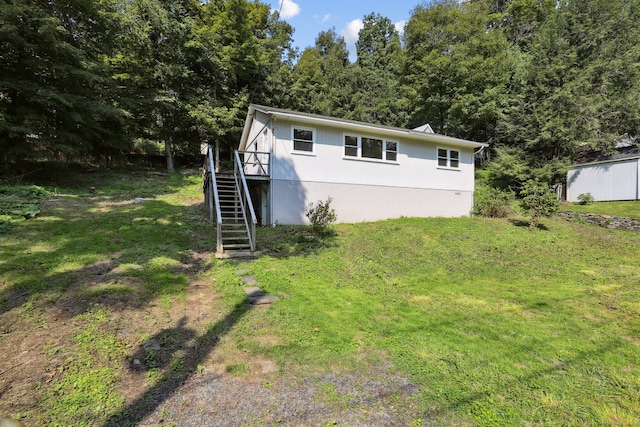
(400, 26)
(288, 9)
(350, 34)
(322, 19)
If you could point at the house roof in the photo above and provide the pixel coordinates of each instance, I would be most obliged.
(353, 125)
(424, 128)
(626, 149)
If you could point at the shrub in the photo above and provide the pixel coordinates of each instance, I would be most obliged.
(538, 200)
(321, 215)
(585, 198)
(492, 202)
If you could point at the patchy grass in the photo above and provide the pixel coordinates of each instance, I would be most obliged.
(630, 209)
(498, 323)
(108, 305)
(84, 286)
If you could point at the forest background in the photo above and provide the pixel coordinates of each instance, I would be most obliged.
(544, 82)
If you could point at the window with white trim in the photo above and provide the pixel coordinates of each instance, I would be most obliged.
(303, 139)
(370, 148)
(391, 151)
(351, 146)
(448, 158)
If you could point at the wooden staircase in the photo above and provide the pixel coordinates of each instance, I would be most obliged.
(228, 201)
(234, 227)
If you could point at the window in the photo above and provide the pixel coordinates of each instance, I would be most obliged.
(391, 151)
(448, 158)
(303, 140)
(351, 145)
(370, 148)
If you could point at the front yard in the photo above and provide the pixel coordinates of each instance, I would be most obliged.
(108, 307)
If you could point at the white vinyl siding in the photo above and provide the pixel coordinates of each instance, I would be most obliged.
(606, 181)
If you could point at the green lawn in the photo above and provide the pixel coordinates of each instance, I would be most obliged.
(497, 323)
(629, 209)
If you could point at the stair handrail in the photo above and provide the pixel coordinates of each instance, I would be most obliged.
(246, 199)
(216, 201)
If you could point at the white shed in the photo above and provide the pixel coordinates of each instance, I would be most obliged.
(616, 178)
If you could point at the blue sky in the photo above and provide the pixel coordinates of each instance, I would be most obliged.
(309, 17)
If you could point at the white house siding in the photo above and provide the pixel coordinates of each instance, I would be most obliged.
(357, 202)
(258, 142)
(605, 181)
(365, 190)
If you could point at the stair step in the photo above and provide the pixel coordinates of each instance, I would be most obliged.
(237, 246)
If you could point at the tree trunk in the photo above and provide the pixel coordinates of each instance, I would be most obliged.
(169, 154)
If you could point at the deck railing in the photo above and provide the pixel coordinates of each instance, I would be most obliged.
(210, 189)
(245, 199)
(255, 163)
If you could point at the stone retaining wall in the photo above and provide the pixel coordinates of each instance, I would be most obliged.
(608, 221)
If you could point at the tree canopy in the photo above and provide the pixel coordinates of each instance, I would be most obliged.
(543, 81)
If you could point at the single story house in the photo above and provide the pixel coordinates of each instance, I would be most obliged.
(615, 177)
(371, 172)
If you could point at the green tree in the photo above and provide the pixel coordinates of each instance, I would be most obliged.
(576, 86)
(243, 55)
(539, 200)
(153, 64)
(56, 98)
(377, 94)
(323, 78)
(457, 68)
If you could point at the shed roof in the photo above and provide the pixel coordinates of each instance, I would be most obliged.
(624, 151)
(353, 125)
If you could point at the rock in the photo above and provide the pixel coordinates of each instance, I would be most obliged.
(9, 422)
(263, 300)
(249, 280)
(631, 224)
(138, 200)
(242, 272)
(253, 291)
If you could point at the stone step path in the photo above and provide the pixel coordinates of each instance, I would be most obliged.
(255, 295)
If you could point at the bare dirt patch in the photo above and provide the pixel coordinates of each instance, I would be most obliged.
(176, 367)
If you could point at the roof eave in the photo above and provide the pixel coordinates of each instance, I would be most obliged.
(366, 127)
(599, 162)
(246, 129)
